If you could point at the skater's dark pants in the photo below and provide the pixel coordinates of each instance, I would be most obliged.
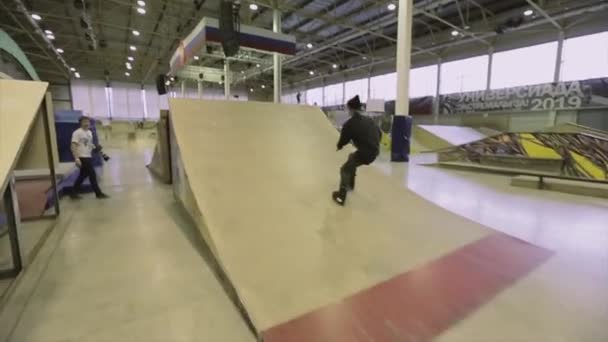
(348, 172)
(87, 170)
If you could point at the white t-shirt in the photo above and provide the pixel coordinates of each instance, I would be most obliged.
(84, 139)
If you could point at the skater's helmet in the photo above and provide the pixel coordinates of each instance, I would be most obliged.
(354, 103)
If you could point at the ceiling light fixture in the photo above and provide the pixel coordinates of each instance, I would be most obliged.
(309, 45)
(141, 3)
(335, 66)
(251, 90)
(48, 32)
(528, 13)
(131, 59)
(36, 17)
(50, 36)
(196, 58)
(133, 48)
(253, 7)
(263, 86)
(141, 10)
(135, 33)
(257, 65)
(127, 74)
(311, 73)
(77, 74)
(72, 69)
(391, 7)
(60, 50)
(455, 33)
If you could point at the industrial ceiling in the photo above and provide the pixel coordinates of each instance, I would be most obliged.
(335, 37)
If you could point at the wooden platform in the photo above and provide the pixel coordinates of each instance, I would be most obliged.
(19, 102)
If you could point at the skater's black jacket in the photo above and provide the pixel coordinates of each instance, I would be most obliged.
(364, 134)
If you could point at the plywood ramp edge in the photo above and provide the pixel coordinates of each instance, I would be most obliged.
(189, 203)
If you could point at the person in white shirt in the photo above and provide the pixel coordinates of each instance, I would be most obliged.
(82, 149)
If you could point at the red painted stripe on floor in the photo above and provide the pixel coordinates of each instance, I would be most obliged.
(422, 303)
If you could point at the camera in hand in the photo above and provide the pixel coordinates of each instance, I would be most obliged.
(99, 149)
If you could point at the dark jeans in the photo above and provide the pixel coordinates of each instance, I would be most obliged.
(348, 172)
(87, 170)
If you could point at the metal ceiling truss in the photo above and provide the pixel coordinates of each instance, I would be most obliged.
(598, 6)
(359, 33)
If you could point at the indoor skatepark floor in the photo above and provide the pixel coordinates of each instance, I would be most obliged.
(131, 268)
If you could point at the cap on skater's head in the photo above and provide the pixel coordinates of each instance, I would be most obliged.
(354, 103)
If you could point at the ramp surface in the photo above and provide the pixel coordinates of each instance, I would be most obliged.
(19, 103)
(436, 137)
(261, 176)
(455, 135)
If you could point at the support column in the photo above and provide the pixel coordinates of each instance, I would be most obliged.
(437, 101)
(227, 79)
(200, 89)
(369, 86)
(344, 99)
(560, 56)
(490, 63)
(322, 94)
(276, 58)
(402, 123)
(183, 88)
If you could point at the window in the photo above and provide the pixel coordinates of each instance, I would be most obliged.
(383, 87)
(526, 66)
(423, 81)
(333, 95)
(356, 87)
(464, 75)
(314, 97)
(127, 103)
(135, 102)
(91, 98)
(585, 57)
(163, 102)
(152, 103)
(81, 99)
(99, 100)
(291, 98)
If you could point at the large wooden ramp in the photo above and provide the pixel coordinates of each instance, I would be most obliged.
(19, 103)
(260, 176)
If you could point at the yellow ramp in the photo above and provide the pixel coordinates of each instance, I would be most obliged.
(19, 103)
(261, 175)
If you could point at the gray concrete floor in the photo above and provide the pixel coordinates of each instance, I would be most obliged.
(126, 269)
(30, 237)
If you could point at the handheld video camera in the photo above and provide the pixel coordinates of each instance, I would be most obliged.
(99, 149)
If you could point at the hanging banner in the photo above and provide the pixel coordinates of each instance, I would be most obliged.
(541, 97)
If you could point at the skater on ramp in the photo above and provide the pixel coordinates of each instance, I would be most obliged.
(363, 132)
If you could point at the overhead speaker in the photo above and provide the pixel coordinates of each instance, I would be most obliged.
(229, 27)
(161, 87)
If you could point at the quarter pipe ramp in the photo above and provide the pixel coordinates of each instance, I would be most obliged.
(257, 178)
